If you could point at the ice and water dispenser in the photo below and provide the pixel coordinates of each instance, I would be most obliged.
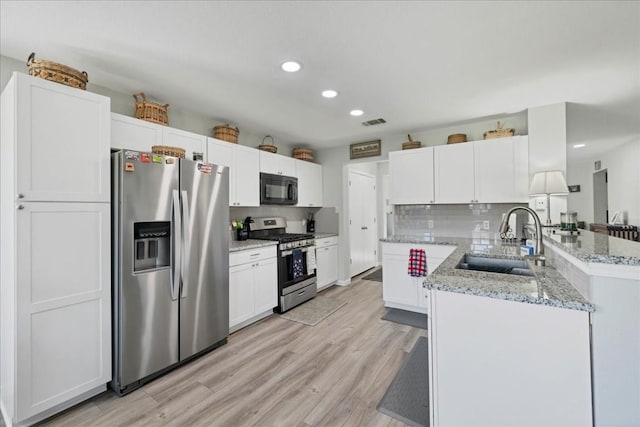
(151, 245)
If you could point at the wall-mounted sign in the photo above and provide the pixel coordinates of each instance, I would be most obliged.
(574, 188)
(597, 165)
(365, 149)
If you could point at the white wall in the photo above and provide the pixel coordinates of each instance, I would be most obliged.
(191, 121)
(623, 169)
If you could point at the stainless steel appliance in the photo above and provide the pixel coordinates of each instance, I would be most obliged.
(170, 263)
(278, 189)
(296, 282)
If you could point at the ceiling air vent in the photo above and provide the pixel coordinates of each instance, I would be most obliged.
(374, 122)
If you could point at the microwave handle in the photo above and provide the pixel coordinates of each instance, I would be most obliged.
(290, 191)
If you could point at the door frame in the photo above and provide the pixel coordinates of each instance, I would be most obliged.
(347, 204)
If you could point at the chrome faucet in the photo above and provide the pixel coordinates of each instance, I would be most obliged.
(504, 227)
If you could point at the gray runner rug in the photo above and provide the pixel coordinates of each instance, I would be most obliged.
(313, 311)
(407, 398)
(405, 317)
(375, 276)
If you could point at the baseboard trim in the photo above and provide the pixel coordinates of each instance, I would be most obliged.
(343, 282)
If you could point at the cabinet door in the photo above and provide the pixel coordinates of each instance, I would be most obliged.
(494, 171)
(134, 134)
(221, 153)
(63, 137)
(327, 265)
(266, 286)
(191, 142)
(241, 294)
(277, 164)
(521, 172)
(397, 286)
(309, 183)
(454, 173)
(412, 180)
(245, 176)
(63, 301)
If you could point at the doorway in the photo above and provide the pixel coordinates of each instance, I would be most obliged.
(362, 221)
(600, 197)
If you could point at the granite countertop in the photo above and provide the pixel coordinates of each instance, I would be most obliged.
(241, 245)
(323, 235)
(547, 287)
(595, 247)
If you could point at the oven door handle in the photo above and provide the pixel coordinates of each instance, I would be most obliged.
(287, 253)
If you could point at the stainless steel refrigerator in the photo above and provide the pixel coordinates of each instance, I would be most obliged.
(170, 263)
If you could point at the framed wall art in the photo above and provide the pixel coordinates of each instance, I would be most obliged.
(365, 149)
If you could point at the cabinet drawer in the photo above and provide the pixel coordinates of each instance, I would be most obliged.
(250, 255)
(326, 241)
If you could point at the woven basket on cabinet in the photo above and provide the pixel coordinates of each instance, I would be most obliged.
(226, 133)
(58, 73)
(150, 111)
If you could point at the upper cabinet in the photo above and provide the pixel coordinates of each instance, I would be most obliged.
(411, 176)
(243, 163)
(59, 138)
(309, 183)
(277, 164)
(135, 134)
(488, 171)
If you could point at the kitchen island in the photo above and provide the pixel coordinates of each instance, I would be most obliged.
(503, 349)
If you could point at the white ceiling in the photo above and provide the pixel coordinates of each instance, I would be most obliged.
(420, 65)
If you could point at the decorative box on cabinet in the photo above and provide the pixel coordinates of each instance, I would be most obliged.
(55, 260)
(253, 286)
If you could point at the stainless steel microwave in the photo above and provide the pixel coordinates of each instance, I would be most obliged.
(278, 189)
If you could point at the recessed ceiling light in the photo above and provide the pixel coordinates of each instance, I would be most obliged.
(356, 112)
(291, 66)
(578, 145)
(329, 93)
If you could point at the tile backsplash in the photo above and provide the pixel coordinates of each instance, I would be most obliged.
(473, 220)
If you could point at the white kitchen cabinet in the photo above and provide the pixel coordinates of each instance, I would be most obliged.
(399, 290)
(454, 173)
(55, 260)
(277, 164)
(134, 134)
(412, 176)
(253, 285)
(140, 135)
(491, 359)
(326, 262)
(309, 183)
(501, 170)
(191, 142)
(243, 162)
(60, 138)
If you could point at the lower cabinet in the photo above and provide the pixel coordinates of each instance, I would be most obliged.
(399, 290)
(326, 261)
(253, 286)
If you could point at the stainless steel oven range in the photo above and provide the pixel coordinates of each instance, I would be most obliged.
(296, 282)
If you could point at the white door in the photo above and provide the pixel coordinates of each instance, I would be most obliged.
(246, 178)
(327, 265)
(309, 183)
(241, 293)
(362, 221)
(266, 285)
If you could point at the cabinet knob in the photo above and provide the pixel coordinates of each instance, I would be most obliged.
(20, 196)
(20, 207)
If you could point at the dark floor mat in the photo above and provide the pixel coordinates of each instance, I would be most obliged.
(405, 317)
(407, 398)
(375, 276)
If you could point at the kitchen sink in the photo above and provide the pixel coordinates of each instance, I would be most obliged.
(518, 267)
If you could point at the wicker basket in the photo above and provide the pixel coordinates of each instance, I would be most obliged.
(57, 72)
(168, 151)
(456, 138)
(226, 133)
(151, 111)
(411, 144)
(271, 148)
(499, 132)
(302, 154)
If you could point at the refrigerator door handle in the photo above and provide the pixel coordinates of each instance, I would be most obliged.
(186, 223)
(176, 246)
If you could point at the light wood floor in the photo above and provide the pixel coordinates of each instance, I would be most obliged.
(275, 373)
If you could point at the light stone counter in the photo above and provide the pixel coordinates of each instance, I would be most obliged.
(595, 247)
(241, 245)
(547, 287)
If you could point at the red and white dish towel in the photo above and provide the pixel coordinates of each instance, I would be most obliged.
(417, 263)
